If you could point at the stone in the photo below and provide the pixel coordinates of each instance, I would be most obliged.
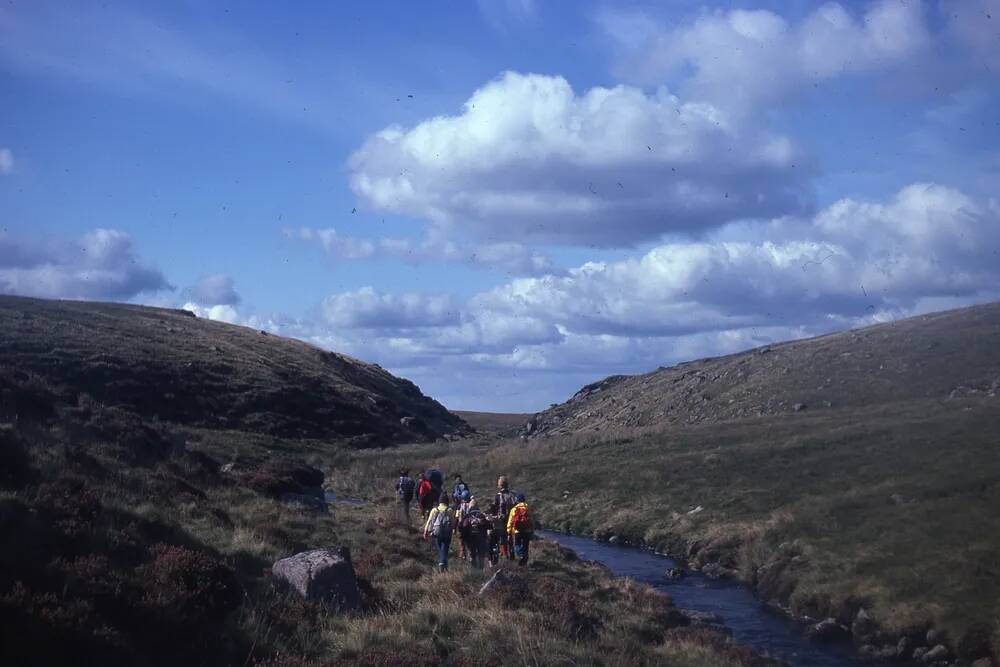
(827, 630)
(614, 539)
(903, 647)
(799, 407)
(936, 654)
(326, 575)
(863, 626)
(933, 637)
(309, 502)
(703, 617)
(919, 652)
(228, 469)
(674, 573)
(502, 579)
(983, 662)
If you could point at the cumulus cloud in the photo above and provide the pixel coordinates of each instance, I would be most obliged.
(508, 257)
(853, 263)
(741, 59)
(6, 161)
(530, 161)
(220, 312)
(100, 265)
(212, 290)
(366, 308)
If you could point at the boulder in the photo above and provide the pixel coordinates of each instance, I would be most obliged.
(702, 617)
(321, 574)
(937, 654)
(827, 630)
(799, 407)
(717, 571)
(674, 573)
(309, 502)
(919, 652)
(863, 627)
(503, 579)
(903, 647)
(933, 637)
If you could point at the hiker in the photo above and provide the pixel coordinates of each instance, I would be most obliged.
(496, 533)
(427, 496)
(440, 523)
(459, 488)
(464, 500)
(473, 529)
(503, 503)
(521, 527)
(404, 494)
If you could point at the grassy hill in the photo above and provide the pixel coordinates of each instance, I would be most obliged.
(926, 357)
(882, 494)
(171, 366)
(144, 455)
(495, 423)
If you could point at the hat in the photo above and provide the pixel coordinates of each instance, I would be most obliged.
(519, 498)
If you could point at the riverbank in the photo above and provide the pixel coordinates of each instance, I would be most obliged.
(882, 519)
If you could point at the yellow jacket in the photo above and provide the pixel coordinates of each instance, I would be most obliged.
(442, 507)
(510, 518)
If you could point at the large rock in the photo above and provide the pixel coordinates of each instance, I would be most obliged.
(321, 574)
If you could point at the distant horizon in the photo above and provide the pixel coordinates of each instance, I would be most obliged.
(505, 201)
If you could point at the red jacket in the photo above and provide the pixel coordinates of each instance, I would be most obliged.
(424, 487)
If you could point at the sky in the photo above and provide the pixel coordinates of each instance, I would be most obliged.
(504, 200)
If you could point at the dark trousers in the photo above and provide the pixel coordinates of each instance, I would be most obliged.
(521, 543)
(443, 545)
(477, 547)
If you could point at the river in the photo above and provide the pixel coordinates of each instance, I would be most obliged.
(751, 623)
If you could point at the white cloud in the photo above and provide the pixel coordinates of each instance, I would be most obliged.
(529, 161)
(101, 265)
(221, 312)
(6, 161)
(215, 289)
(740, 60)
(512, 258)
(366, 308)
(536, 339)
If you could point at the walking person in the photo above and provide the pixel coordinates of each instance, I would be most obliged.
(474, 528)
(522, 528)
(404, 494)
(459, 488)
(440, 525)
(503, 503)
(464, 505)
(427, 496)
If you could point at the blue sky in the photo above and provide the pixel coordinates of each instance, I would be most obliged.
(504, 200)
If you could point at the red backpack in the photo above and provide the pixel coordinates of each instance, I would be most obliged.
(522, 522)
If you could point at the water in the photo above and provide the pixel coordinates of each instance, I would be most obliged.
(750, 622)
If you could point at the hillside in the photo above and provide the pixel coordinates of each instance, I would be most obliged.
(927, 357)
(494, 423)
(171, 366)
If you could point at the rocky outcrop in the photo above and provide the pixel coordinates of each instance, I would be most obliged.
(321, 574)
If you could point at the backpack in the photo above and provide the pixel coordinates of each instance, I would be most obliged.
(522, 522)
(476, 522)
(442, 525)
(404, 487)
(505, 503)
(435, 477)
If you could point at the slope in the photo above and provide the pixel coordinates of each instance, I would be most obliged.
(171, 366)
(931, 356)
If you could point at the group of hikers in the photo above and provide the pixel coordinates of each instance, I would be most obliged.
(487, 532)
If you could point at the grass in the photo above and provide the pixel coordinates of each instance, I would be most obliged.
(134, 550)
(895, 509)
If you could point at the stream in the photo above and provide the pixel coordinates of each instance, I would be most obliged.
(751, 623)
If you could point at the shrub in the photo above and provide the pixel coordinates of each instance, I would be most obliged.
(15, 469)
(191, 583)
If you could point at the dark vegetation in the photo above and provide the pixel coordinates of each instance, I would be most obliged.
(170, 366)
(880, 493)
(133, 539)
(495, 423)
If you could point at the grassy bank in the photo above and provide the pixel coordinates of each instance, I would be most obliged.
(893, 509)
(135, 547)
